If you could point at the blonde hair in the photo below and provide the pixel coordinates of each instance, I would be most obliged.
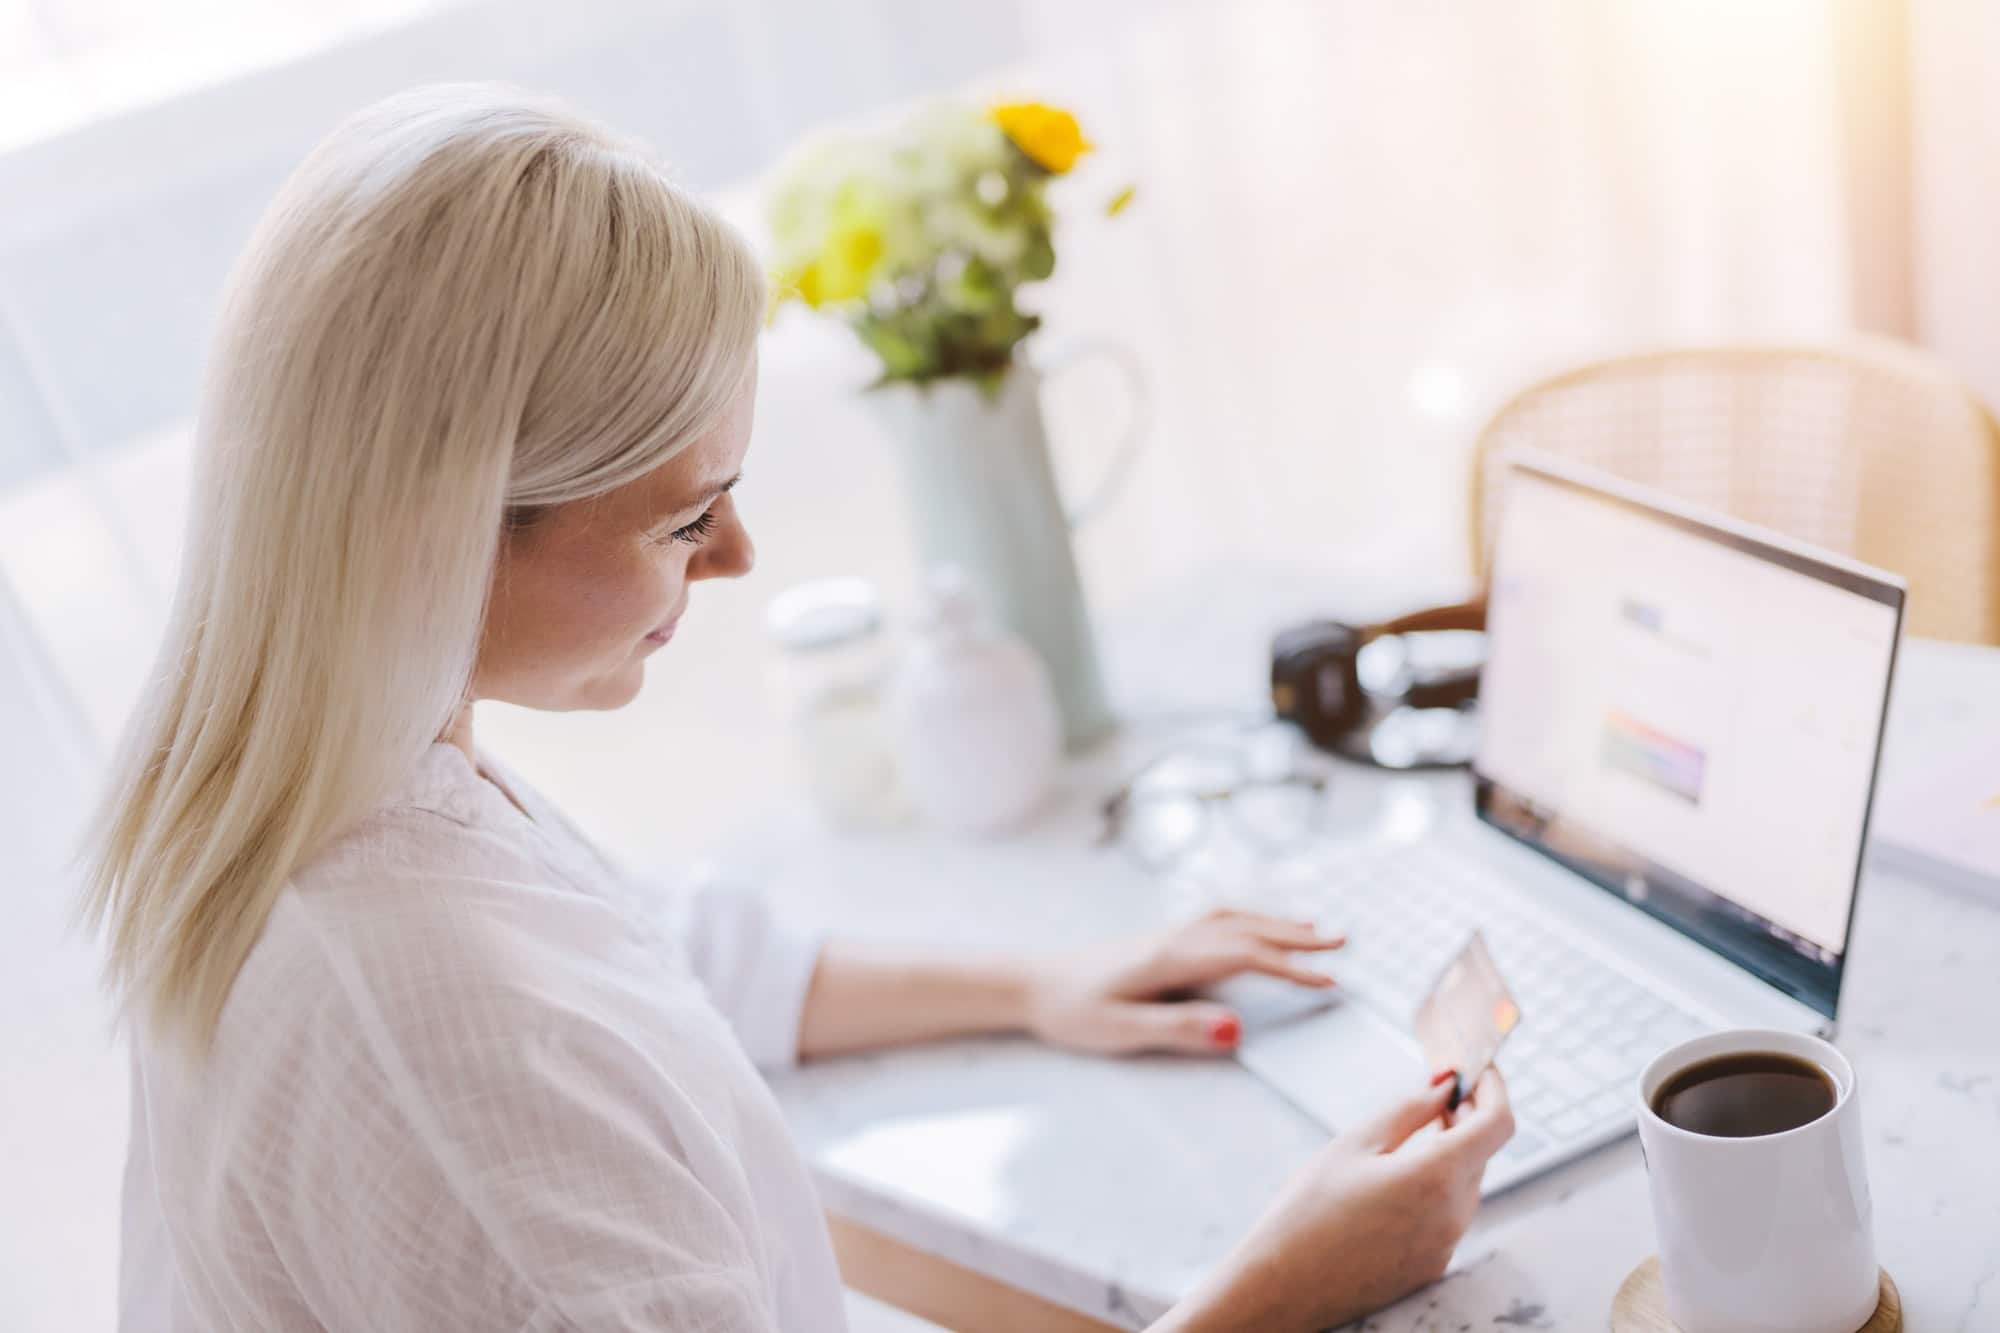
(466, 303)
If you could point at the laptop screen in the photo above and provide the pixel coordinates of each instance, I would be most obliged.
(1688, 713)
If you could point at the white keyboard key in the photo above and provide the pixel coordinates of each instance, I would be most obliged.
(1599, 1064)
(1606, 1106)
(1525, 1143)
(1565, 1077)
(1568, 1041)
(1634, 1043)
(1569, 1124)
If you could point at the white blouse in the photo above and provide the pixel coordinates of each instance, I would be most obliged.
(471, 1077)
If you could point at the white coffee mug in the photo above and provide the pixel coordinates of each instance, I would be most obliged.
(1772, 1234)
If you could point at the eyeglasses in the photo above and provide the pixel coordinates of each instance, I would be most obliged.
(1253, 791)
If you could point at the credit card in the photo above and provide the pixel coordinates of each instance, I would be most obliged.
(1467, 1015)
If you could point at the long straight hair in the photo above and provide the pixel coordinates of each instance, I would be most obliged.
(466, 303)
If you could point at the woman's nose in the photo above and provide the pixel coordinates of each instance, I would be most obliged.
(729, 554)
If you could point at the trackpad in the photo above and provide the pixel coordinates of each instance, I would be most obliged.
(1339, 1066)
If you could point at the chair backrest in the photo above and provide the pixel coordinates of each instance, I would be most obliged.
(1868, 448)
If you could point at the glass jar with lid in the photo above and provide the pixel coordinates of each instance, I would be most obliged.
(830, 670)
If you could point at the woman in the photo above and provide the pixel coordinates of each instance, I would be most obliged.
(410, 1055)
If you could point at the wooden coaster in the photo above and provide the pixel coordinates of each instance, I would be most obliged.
(1641, 1305)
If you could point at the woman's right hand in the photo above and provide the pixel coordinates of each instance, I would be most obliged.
(1370, 1219)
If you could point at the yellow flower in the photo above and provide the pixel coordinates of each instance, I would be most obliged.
(845, 268)
(1048, 135)
(852, 243)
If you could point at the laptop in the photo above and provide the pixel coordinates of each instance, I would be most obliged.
(1681, 717)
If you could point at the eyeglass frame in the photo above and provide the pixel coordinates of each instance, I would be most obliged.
(1116, 808)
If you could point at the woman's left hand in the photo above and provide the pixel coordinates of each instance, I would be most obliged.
(1134, 995)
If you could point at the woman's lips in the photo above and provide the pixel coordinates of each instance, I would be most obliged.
(659, 637)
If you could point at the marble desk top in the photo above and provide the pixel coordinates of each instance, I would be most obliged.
(1108, 1186)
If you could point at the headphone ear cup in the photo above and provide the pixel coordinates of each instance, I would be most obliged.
(1452, 689)
(1316, 681)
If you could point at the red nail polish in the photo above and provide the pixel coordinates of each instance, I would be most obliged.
(1225, 1030)
(1442, 1077)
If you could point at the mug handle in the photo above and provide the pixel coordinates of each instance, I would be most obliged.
(1067, 356)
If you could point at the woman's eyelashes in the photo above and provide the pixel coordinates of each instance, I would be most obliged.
(703, 527)
(694, 533)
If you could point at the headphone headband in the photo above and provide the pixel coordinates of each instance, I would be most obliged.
(1458, 615)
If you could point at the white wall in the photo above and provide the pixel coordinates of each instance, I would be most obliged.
(1956, 44)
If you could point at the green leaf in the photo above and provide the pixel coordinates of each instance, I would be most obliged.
(1039, 261)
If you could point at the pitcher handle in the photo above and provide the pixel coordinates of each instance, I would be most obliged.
(1066, 356)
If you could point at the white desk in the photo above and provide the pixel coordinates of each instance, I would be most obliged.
(1107, 1186)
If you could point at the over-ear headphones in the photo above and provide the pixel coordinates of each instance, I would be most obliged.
(1398, 709)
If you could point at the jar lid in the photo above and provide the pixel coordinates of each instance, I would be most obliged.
(949, 603)
(824, 613)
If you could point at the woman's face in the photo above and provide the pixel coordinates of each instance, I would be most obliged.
(588, 590)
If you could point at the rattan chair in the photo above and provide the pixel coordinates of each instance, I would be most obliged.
(1869, 448)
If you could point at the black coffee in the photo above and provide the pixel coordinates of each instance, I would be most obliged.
(1745, 1095)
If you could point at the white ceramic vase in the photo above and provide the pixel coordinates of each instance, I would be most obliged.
(983, 498)
(977, 733)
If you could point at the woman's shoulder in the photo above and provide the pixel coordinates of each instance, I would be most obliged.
(390, 857)
(441, 910)
(436, 821)
(413, 914)
(419, 973)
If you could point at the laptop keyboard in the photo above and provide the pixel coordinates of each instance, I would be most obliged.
(1586, 1030)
